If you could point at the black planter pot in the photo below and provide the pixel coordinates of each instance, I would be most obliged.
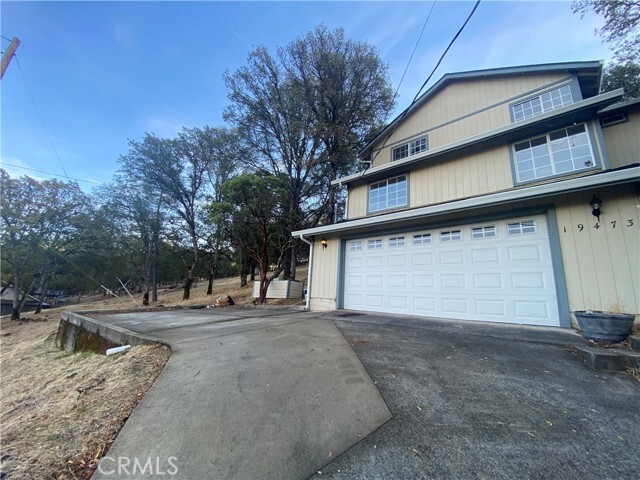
(605, 327)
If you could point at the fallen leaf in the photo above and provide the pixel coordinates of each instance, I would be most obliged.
(549, 423)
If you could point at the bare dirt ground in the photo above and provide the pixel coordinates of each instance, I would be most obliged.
(61, 412)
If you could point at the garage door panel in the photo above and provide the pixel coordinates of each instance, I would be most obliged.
(485, 256)
(504, 277)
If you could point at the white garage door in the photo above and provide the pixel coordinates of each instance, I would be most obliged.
(497, 271)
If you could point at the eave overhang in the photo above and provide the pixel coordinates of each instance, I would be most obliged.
(389, 220)
(575, 113)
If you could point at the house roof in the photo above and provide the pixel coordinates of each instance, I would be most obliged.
(575, 112)
(621, 105)
(589, 74)
(389, 220)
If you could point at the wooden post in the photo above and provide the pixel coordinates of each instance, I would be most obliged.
(8, 55)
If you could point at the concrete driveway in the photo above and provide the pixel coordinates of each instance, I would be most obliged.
(246, 394)
(275, 394)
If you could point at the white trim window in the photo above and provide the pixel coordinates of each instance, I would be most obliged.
(355, 246)
(422, 239)
(483, 232)
(396, 242)
(543, 103)
(520, 228)
(561, 152)
(413, 147)
(387, 194)
(374, 244)
(451, 236)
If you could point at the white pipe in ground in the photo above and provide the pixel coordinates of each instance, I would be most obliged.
(114, 350)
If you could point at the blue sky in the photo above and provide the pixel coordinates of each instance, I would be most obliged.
(103, 72)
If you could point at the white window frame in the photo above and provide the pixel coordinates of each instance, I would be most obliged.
(523, 227)
(409, 149)
(534, 153)
(450, 236)
(398, 199)
(395, 242)
(356, 246)
(488, 231)
(543, 103)
(374, 244)
(422, 239)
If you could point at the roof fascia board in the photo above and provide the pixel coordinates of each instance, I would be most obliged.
(620, 105)
(582, 104)
(491, 72)
(528, 193)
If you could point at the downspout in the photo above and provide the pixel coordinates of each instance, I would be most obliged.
(308, 299)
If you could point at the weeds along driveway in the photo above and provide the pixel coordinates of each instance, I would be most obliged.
(487, 401)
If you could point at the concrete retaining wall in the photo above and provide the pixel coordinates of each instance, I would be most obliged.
(77, 332)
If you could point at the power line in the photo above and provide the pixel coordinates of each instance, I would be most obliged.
(7, 39)
(50, 173)
(404, 113)
(40, 117)
(414, 49)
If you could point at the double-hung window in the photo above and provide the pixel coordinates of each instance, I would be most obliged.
(543, 103)
(561, 152)
(413, 147)
(387, 194)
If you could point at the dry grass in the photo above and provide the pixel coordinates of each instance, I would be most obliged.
(61, 412)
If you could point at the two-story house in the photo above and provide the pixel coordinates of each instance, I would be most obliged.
(503, 195)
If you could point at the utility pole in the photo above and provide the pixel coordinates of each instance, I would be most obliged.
(8, 55)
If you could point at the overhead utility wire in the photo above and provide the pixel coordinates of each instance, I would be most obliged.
(40, 117)
(7, 39)
(49, 173)
(404, 113)
(414, 50)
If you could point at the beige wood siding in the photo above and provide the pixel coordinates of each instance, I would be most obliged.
(357, 202)
(325, 275)
(481, 173)
(623, 141)
(461, 98)
(602, 266)
(478, 174)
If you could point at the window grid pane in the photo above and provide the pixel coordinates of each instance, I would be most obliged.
(372, 244)
(396, 242)
(543, 103)
(422, 239)
(483, 232)
(563, 151)
(450, 236)
(388, 194)
(354, 246)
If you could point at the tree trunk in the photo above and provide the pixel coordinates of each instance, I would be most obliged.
(286, 272)
(15, 310)
(45, 286)
(293, 260)
(252, 271)
(145, 299)
(25, 295)
(187, 286)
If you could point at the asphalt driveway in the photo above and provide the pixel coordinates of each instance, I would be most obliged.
(473, 400)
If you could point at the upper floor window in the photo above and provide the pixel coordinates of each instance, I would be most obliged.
(388, 194)
(414, 147)
(560, 152)
(543, 103)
